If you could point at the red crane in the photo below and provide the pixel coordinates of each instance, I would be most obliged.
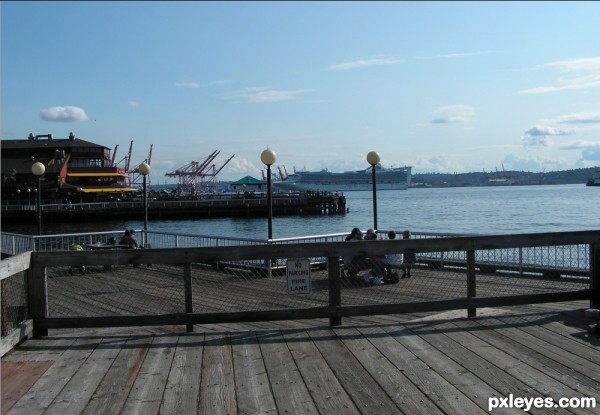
(199, 177)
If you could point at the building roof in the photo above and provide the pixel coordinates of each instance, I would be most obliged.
(56, 143)
(249, 180)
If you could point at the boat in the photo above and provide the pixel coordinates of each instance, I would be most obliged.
(594, 180)
(394, 178)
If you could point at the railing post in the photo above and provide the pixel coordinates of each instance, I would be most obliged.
(595, 275)
(187, 285)
(335, 287)
(37, 297)
(471, 281)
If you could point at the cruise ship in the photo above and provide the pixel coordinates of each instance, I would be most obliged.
(395, 178)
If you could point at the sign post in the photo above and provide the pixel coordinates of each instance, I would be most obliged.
(298, 276)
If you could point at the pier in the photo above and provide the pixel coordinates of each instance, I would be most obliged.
(190, 330)
(209, 206)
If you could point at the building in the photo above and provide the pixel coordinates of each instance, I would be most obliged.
(76, 170)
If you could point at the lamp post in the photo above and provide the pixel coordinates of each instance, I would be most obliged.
(268, 158)
(38, 170)
(28, 197)
(19, 196)
(373, 160)
(144, 170)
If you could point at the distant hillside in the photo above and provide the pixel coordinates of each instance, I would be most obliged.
(503, 178)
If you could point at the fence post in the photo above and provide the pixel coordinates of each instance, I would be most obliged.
(335, 287)
(595, 275)
(471, 281)
(187, 284)
(37, 297)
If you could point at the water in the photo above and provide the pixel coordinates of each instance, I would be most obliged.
(482, 210)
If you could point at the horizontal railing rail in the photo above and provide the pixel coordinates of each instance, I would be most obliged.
(14, 244)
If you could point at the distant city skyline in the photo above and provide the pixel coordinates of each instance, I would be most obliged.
(448, 87)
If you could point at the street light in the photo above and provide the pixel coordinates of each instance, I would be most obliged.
(19, 196)
(144, 170)
(373, 160)
(38, 170)
(268, 158)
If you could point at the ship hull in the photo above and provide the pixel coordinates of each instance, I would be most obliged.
(341, 187)
(387, 179)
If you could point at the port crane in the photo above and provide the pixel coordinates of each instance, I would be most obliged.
(134, 178)
(199, 177)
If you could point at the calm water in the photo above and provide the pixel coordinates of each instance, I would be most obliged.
(485, 210)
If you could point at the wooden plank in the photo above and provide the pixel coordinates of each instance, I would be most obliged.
(146, 393)
(551, 354)
(391, 377)
(468, 383)
(17, 379)
(79, 389)
(217, 387)
(422, 389)
(110, 396)
(21, 332)
(461, 352)
(183, 385)
(289, 390)
(365, 392)
(579, 331)
(39, 349)
(252, 387)
(538, 383)
(326, 391)
(49, 386)
(14, 264)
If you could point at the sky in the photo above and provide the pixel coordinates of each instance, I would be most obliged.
(448, 87)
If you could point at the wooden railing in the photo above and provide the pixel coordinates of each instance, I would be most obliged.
(186, 262)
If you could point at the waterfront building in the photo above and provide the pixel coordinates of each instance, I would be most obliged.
(76, 170)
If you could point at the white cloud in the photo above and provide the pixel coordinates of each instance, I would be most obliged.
(361, 63)
(578, 145)
(258, 95)
(189, 85)
(535, 141)
(453, 114)
(132, 104)
(590, 151)
(545, 131)
(64, 114)
(580, 118)
(534, 163)
(591, 154)
(574, 74)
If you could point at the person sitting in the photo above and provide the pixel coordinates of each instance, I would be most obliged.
(377, 262)
(129, 239)
(354, 264)
(393, 261)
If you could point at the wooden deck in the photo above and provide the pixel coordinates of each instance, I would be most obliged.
(428, 364)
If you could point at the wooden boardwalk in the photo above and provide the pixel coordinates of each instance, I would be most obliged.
(434, 364)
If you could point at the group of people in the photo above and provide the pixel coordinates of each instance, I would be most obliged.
(382, 268)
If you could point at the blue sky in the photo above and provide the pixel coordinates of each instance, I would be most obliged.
(440, 86)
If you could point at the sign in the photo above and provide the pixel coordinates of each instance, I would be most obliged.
(298, 276)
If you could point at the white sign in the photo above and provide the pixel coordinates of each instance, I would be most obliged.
(298, 276)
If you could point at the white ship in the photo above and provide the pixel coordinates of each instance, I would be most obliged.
(396, 178)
